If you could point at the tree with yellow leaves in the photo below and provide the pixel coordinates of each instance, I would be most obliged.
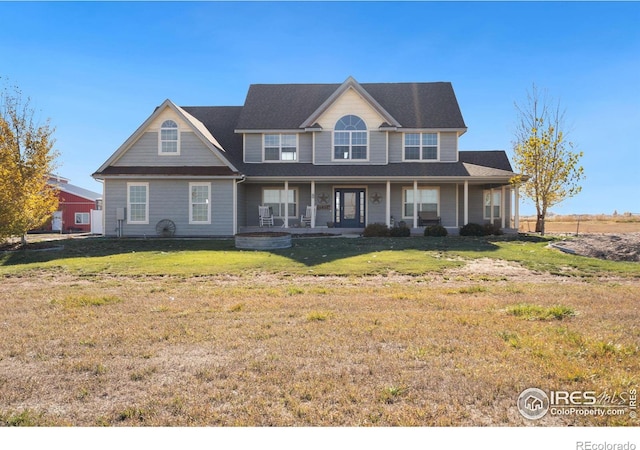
(27, 157)
(543, 153)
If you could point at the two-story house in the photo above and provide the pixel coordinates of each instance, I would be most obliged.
(350, 154)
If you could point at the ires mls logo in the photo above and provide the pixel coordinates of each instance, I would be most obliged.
(534, 403)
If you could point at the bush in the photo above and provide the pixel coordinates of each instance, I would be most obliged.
(400, 232)
(376, 230)
(490, 229)
(436, 231)
(472, 229)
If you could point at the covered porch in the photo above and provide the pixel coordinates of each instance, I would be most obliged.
(337, 207)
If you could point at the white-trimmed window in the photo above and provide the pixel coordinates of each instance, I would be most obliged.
(199, 203)
(275, 198)
(81, 218)
(138, 203)
(350, 138)
(280, 147)
(169, 138)
(421, 146)
(428, 200)
(492, 199)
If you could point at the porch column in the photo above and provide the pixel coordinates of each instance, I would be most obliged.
(286, 204)
(516, 218)
(502, 203)
(313, 204)
(491, 205)
(388, 202)
(457, 205)
(466, 202)
(415, 203)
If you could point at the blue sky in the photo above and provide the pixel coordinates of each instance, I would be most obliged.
(98, 70)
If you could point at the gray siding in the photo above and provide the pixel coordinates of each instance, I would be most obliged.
(448, 205)
(323, 147)
(395, 147)
(192, 153)
(376, 212)
(253, 148)
(448, 147)
(169, 199)
(377, 147)
(305, 148)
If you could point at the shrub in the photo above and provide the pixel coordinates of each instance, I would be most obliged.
(400, 231)
(376, 230)
(472, 229)
(492, 229)
(436, 231)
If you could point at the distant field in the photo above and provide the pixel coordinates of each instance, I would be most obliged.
(585, 224)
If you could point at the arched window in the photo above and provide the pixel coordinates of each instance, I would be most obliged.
(169, 138)
(350, 138)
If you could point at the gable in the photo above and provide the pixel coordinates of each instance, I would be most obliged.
(196, 145)
(350, 102)
(192, 150)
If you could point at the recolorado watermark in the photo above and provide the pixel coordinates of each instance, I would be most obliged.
(588, 445)
(534, 404)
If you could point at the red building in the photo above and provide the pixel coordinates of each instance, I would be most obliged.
(75, 208)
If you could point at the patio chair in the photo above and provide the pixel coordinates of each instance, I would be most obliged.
(426, 218)
(305, 220)
(265, 215)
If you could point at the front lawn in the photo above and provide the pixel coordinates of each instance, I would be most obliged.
(308, 256)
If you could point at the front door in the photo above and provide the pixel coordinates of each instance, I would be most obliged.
(56, 223)
(350, 208)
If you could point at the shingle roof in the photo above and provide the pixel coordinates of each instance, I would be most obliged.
(496, 159)
(392, 170)
(413, 105)
(287, 106)
(221, 122)
(169, 170)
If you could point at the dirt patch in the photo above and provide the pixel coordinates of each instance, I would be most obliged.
(613, 247)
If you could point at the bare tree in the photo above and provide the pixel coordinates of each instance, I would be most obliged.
(542, 151)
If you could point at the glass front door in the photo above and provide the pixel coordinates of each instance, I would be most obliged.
(350, 208)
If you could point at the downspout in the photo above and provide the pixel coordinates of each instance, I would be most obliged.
(236, 182)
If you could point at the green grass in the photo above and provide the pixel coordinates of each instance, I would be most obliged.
(536, 312)
(309, 256)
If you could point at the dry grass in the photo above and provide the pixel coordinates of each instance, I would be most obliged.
(276, 350)
(584, 223)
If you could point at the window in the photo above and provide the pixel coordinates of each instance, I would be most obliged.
(428, 199)
(138, 203)
(421, 146)
(199, 203)
(496, 201)
(280, 147)
(275, 198)
(169, 138)
(350, 138)
(82, 218)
